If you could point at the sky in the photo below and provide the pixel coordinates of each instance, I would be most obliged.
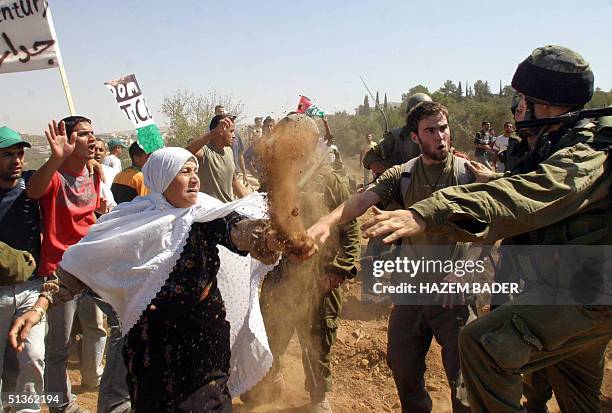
(265, 54)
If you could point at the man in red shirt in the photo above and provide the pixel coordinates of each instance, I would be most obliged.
(68, 195)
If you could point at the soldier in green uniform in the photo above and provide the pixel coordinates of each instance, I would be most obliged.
(16, 266)
(396, 147)
(564, 200)
(414, 323)
(305, 296)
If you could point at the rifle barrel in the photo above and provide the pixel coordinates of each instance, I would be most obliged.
(571, 117)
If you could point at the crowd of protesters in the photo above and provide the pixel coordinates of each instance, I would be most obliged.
(83, 237)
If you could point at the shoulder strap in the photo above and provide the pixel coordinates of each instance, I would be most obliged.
(462, 174)
(406, 176)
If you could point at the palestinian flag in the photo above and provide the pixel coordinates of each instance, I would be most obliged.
(307, 107)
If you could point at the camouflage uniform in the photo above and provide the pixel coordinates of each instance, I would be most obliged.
(565, 200)
(292, 297)
(396, 147)
(16, 266)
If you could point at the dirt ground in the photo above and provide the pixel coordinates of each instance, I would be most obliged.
(362, 380)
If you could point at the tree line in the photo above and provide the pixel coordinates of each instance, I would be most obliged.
(189, 114)
(468, 106)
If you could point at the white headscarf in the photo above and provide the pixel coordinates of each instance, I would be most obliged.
(163, 165)
(127, 256)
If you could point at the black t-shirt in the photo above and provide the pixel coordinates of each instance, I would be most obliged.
(20, 226)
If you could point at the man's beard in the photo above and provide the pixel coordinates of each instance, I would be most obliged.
(435, 155)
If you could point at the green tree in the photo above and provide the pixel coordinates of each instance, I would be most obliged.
(481, 90)
(448, 89)
(385, 104)
(189, 114)
(366, 106)
(508, 91)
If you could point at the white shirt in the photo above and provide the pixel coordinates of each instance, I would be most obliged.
(105, 187)
(501, 143)
(331, 150)
(113, 162)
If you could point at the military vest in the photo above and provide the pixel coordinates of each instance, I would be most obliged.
(397, 147)
(592, 226)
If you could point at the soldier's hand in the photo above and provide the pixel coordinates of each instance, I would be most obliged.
(21, 328)
(395, 224)
(319, 231)
(481, 172)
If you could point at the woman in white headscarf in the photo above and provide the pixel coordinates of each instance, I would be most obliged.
(155, 260)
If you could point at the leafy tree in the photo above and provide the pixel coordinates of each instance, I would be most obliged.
(385, 104)
(190, 114)
(482, 90)
(365, 111)
(508, 91)
(600, 99)
(448, 88)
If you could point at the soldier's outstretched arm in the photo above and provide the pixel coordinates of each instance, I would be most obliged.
(352, 208)
(393, 225)
(566, 183)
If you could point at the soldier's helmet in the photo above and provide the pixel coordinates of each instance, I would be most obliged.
(415, 99)
(555, 75)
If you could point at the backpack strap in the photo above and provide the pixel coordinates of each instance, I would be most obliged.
(406, 177)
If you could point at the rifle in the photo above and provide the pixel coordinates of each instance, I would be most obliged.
(376, 105)
(566, 118)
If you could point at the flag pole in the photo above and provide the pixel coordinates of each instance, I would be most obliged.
(60, 64)
(66, 89)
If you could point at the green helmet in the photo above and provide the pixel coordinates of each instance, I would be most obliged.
(556, 75)
(415, 99)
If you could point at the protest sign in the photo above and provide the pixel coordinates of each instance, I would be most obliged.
(129, 97)
(27, 37)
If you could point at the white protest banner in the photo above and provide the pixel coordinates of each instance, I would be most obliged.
(129, 97)
(27, 37)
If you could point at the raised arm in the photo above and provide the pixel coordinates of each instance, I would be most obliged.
(61, 148)
(224, 127)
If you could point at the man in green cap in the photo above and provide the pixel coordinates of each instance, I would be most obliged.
(115, 148)
(20, 227)
(562, 198)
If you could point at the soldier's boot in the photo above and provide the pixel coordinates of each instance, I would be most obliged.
(268, 390)
(319, 403)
